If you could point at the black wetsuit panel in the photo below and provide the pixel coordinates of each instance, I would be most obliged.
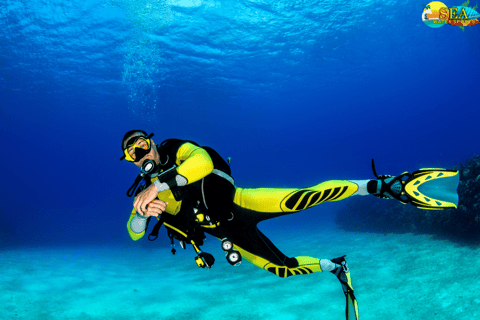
(243, 231)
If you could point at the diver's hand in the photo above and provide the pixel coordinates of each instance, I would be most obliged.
(155, 208)
(144, 198)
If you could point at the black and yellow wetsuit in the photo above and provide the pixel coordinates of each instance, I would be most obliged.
(202, 196)
(237, 211)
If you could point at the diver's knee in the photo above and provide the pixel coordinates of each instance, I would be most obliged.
(291, 263)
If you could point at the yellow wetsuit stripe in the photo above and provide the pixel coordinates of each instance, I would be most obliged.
(292, 200)
(306, 265)
(193, 162)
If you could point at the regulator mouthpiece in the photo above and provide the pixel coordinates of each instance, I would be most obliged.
(148, 167)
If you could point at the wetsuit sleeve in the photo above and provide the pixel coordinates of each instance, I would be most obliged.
(133, 235)
(193, 162)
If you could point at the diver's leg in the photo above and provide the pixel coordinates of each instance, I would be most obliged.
(262, 253)
(273, 202)
(265, 255)
(254, 205)
(256, 248)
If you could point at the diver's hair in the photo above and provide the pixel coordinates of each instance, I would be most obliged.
(131, 133)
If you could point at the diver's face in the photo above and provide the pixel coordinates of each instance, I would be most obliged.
(152, 155)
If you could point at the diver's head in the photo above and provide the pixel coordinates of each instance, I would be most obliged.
(137, 147)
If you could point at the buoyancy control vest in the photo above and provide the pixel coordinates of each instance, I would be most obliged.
(205, 203)
(212, 195)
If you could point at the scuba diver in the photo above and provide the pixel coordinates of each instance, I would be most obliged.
(189, 189)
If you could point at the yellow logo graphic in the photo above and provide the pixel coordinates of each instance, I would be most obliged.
(436, 14)
(431, 14)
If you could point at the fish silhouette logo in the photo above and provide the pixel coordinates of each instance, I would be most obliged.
(436, 14)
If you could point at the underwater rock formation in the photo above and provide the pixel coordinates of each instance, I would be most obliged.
(369, 214)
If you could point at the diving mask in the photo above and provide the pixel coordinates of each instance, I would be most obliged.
(137, 148)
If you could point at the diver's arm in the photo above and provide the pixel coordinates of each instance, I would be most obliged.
(136, 225)
(194, 164)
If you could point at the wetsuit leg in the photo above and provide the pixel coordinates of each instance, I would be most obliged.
(256, 248)
(273, 202)
(254, 205)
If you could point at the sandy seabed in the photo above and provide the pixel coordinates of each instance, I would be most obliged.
(394, 276)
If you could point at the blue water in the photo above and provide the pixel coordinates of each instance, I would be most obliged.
(296, 92)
